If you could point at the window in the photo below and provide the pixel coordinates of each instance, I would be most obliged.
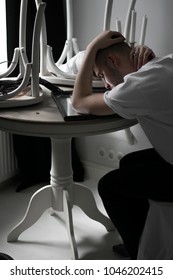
(3, 44)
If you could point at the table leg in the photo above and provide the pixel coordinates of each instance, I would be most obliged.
(69, 223)
(73, 193)
(62, 183)
(39, 202)
(84, 198)
(61, 195)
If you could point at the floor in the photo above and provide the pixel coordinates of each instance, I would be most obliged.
(47, 238)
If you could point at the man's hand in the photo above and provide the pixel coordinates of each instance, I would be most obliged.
(140, 55)
(106, 39)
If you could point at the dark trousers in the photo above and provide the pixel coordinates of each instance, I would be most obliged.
(142, 175)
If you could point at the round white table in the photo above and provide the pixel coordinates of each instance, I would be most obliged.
(45, 120)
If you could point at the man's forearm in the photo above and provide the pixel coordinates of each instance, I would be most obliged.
(83, 100)
(83, 83)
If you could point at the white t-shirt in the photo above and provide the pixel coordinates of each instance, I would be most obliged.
(147, 95)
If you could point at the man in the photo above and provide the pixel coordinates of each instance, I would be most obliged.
(144, 93)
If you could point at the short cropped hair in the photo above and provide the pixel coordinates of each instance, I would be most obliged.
(121, 47)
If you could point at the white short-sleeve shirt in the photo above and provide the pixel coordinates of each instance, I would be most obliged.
(147, 95)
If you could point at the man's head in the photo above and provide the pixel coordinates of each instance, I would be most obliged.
(113, 63)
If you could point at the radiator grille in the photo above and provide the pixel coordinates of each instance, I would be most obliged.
(8, 162)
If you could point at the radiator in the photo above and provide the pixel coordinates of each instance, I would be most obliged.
(8, 162)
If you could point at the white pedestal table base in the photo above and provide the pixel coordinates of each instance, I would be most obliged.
(61, 195)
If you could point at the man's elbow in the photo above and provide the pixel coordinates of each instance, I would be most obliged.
(78, 106)
(74, 103)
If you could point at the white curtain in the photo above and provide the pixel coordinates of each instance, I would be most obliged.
(3, 32)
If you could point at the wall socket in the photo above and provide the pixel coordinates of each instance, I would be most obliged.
(109, 154)
(101, 152)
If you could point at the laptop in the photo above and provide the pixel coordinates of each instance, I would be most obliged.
(63, 102)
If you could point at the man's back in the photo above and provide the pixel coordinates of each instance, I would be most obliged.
(147, 95)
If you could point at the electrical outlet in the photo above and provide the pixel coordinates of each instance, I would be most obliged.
(101, 152)
(111, 155)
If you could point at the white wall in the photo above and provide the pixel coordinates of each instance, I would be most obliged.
(88, 22)
(105, 150)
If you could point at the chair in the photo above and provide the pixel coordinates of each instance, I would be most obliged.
(157, 237)
(27, 69)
